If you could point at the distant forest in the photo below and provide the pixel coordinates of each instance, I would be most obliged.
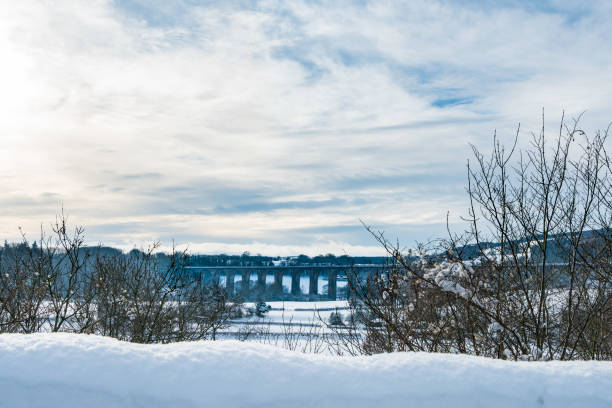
(246, 259)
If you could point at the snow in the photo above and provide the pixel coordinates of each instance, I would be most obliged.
(446, 275)
(285, 315)
(63, 370)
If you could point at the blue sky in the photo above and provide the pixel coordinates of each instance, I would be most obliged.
(275, 126)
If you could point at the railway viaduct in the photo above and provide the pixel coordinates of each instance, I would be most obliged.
(261, 290)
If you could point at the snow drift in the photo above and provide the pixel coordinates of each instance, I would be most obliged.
(61, 370)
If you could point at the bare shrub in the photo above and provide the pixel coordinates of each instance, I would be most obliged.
(141, 296)
(46, 286)
(529, 278)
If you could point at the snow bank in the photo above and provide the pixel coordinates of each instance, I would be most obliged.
(62, 370)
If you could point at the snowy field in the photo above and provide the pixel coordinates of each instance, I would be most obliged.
(301, 326)
(68, 370)
(294, 314)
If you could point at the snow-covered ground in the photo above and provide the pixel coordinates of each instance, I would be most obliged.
(294, 314)
(301, 326)
(68, 370)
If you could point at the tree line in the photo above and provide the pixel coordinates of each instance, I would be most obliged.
(247, 259)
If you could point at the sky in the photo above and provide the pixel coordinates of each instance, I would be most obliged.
(277, 127)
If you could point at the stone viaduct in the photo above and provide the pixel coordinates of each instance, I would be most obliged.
(275, 291)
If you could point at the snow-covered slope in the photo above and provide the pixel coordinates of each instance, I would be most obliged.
(62, 370)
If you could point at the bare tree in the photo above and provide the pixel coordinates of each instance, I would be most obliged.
(529, 278)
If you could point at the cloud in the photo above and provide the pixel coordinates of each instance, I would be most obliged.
(276, 123)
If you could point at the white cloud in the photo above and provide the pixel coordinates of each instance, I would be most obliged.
(127, 120)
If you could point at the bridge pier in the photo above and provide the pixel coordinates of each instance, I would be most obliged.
(295, 282)
(261, 284)
(348, 286)
(229, 282)
(278, 282)
(332, 284)
(313, 289)
(214, 277)
(246, 283)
